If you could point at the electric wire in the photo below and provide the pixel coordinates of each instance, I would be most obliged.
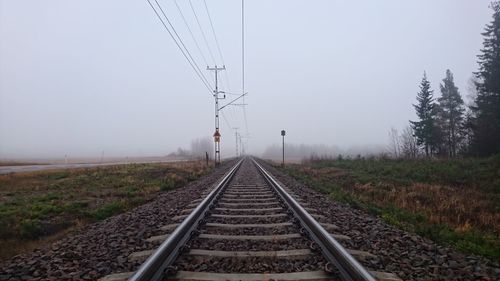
(227, 122)
(187, 55)
(202, 32)
(243, 63)
(243, 45)
(191, 32)
(217, 44)
(180, 48)
(213, 32)
(182, 43)
(225, 80)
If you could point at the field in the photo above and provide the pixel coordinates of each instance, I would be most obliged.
(16, 163)
(453, 202)
(39, 207)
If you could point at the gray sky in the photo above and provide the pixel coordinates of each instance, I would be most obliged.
(80, 77)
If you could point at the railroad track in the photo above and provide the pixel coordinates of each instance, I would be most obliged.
(249, 227)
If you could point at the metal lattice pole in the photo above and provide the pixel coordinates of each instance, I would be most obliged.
(217, 109)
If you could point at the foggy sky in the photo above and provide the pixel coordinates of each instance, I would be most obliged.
(82, 77)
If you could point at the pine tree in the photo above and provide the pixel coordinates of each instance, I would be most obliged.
(486, 124)
(451, 114)
(424, 128)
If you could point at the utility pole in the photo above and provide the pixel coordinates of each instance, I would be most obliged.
(241, 145)
(283, 136)
(236, 136)
(217, 134)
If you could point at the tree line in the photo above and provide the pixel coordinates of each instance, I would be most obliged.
(445, 125)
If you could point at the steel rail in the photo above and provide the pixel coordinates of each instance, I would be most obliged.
(350, 269)
(155, 266)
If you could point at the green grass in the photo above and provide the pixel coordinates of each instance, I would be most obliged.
(38, 204)
(76, 207)
(108, 210)
(481, 173)
(368, 180)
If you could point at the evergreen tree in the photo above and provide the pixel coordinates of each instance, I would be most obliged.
(468, 133)
(425, 108)
(486, 124)
(451, 114)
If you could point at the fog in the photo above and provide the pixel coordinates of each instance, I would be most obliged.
(83, 78)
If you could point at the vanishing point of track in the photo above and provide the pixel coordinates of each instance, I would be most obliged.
(248, 227)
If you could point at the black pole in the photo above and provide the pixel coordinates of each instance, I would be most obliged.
(283, 145)
(283, 163)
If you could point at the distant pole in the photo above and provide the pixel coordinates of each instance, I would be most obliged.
(283, 145)
(236, 136)
(206, 157)
(241, 144)
(216, 97)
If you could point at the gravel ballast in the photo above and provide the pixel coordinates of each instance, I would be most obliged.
(257, 239)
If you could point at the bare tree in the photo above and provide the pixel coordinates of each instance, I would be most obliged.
(200, 146)
(394, 144)
(409, 143)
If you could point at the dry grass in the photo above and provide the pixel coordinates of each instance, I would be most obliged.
(37, 207)
(461, 208)
(455, 202)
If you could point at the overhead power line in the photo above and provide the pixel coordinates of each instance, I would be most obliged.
(191, 32)
(191, 63)
(182, 43)
(213, 31)
(217, 44)
(226, 121)
(202, 33)
(243, 63)
(243, 45)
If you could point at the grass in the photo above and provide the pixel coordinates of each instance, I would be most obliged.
(452, 202)
(108, 210)
(482, 174)
(36, 206)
